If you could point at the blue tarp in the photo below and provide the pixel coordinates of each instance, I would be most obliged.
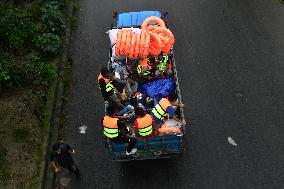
(159, 88)
(135, 18)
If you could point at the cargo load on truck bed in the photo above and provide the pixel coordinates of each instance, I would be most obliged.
(141, 52)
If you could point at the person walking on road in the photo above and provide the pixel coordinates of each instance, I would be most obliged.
(61, 156)
(115, 129)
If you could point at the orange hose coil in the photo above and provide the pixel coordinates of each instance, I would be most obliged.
(137, 46)
(151, 28)
(118, 42)
(152, 40)
(132, 46)
(152, 19)
(168, 46)
(169, 129)
(146, 46)
(128, 42)
(142, 43)
(123, 41)
(155, 44)
(167, 38)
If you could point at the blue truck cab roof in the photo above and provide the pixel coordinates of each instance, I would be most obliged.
(134, 19)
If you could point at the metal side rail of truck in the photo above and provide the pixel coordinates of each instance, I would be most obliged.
(159, 146)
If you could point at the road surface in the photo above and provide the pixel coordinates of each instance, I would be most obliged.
(230, 62)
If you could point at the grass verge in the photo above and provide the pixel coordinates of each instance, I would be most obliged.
(74, 19)
(45, 132)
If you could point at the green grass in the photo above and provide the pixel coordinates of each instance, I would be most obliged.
(21, 134)
(45, 129)
(74, 19)
(4, 174)
(3, 155)
(24, 137)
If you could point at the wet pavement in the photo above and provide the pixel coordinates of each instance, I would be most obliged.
(230, 63)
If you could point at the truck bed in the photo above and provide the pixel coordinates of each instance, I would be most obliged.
(156, 147)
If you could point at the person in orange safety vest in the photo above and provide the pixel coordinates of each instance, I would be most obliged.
(166, 109)
(144, 124)
(109, 92)
(116, 131)
(105, 84)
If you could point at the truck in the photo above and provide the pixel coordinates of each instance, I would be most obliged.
(167, 145)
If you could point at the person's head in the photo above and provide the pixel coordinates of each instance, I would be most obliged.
(152, 60)
(105, 72)
(139, 111)
(57, 147)
(172, 97)
(160, 56)
(110, 111)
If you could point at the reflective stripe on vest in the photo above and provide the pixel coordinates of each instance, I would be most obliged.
(162, 65)
(160, 110)
(143, 63)
(145, 126)
(109, 85)
(110, 127)
(139, 69)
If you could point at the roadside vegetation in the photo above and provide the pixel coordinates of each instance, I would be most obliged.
(31, 33)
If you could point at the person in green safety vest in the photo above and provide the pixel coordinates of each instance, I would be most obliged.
(144, 69)
(166, 109)
(144, 125)
(162, 67)
(116, 131)
(109, 92)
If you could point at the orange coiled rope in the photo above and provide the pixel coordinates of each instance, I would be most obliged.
(152, 40)
(152, 19)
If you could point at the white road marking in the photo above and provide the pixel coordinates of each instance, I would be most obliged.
(231, 141)
(83, 129)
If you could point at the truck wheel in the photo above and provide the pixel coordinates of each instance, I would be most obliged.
(136, 155)
(157, 153)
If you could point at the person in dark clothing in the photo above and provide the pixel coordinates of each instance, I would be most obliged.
(61, 156)
(104, 80)
(116, 130)
(108, 90)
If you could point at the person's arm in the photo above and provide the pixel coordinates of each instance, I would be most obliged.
(120, 117)
(103, 89)
(135, 127)
(183, 122)
(52, 160)
(178, 105)
(171, 112)
(56, 169)
(176, 118)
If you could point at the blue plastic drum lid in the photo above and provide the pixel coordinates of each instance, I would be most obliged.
(131, 19)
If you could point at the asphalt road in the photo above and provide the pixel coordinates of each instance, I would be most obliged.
(230, 63)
